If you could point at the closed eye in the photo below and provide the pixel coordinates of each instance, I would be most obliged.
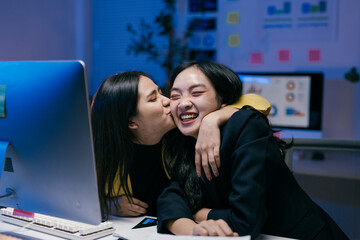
(197, 93)
(174, 96)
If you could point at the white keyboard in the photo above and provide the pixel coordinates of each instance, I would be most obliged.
(57, 226)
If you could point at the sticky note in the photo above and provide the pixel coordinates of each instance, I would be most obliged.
(314, 55)
(284, 55)
(2, 101)
(233, 18)
(256, 58)
(234, 40)
(208, 41)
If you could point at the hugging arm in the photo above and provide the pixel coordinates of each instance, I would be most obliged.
(207, 147)
(207, 153)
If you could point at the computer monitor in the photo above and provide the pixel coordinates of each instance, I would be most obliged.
(49, 161)
(296, 100)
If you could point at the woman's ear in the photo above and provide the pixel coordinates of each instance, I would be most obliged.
(132, 125)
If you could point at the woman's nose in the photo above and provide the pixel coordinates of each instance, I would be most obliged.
(185, 104)
(165, 101)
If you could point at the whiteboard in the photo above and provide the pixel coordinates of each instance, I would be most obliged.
(273, 35)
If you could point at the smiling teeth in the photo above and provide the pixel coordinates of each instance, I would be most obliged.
(188, 116)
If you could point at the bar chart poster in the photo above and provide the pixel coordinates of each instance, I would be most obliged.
(295, 20)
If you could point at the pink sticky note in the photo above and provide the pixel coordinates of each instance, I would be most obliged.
(284, 55)
(314, 55)
(256, 58)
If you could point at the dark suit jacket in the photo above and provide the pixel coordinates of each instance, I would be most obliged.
(255, 191)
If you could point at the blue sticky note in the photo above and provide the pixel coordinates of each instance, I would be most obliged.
(2, 100)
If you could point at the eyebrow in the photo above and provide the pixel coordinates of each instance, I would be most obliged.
(153, 92)
(191, 87)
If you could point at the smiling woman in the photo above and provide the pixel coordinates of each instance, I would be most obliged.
(255, 191)
(192, 98)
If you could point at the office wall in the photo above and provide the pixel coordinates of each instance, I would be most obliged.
(46, 30)
(338, 46)
(286, 36)
(111, 39)
(53, 30)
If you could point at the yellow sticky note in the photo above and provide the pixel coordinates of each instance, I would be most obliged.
(234, 40)
(2, 101)
(233, 18)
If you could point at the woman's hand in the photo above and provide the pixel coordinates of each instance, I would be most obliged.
(186, 226)
(207, 148)
(201, 215)
(127, 208)
(213, 228)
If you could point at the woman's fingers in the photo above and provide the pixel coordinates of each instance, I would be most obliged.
(139, 203)
(226, 228)
(207, 149)
(130, 209)
(213, 228)
(198, 163)
(205, 165)
(213, 163)
(208, 158)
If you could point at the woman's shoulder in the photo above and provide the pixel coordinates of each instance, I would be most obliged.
(245, 115)
(247, 120)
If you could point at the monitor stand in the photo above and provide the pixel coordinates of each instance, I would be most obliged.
(3, 148)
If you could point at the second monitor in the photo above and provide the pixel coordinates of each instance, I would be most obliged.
(296, 99)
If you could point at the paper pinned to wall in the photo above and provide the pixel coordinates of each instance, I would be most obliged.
(256, 58)
(2, 101)
(310, 20)
(314, 55)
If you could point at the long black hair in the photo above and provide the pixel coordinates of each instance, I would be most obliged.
(114, 103)
(180, 149)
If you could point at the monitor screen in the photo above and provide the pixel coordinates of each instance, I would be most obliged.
(46, 147)
(295, 98)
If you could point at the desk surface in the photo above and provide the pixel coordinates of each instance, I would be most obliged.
(123, 227)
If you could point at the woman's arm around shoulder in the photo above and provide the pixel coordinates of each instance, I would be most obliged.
(207, 153)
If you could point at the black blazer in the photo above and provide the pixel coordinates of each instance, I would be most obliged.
(255, 191)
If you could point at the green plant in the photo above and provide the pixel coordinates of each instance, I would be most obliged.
(144, 40)
(352, 75)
